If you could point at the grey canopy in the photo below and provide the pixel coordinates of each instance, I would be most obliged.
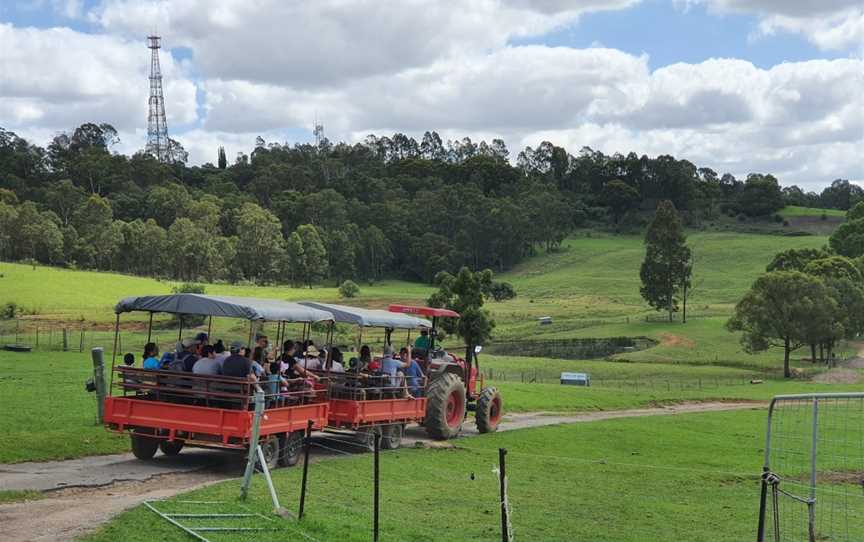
(370, 317)
(248, 308)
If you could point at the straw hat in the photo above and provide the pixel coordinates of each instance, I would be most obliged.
(311, 352)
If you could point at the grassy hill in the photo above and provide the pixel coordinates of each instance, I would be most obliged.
(590, 287)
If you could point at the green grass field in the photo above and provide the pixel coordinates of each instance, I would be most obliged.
(52, 417)
(794, 211)
(689, 477)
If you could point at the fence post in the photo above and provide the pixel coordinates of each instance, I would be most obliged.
(307, 443)
(81, 341)
(811, 504)
(253, 444)
(98, 356)
(502, 477)
(376, 491)
(65, 340)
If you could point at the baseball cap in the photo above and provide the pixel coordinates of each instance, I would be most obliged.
(187, 343)
(236, 346)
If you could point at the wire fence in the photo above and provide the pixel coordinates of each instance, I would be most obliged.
(813, 480)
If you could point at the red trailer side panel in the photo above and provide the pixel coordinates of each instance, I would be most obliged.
(345, 412)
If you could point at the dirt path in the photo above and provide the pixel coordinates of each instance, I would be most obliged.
(83, 493)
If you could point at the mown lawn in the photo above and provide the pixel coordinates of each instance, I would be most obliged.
(795, 211)
(690, 477)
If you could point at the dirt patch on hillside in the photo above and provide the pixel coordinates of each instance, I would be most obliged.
(675, 341)
(838, 376)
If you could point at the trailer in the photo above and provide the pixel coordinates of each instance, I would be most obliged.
(168, 410)
(369, 403)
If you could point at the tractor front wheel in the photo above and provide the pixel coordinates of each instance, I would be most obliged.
(445, 407)
(171, 448)
(143, 446)
(489, 409)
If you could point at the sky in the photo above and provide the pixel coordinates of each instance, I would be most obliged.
(740, 86)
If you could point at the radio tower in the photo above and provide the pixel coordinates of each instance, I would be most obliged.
(157, 127)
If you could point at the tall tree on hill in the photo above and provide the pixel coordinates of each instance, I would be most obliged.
(786, 309)
(222, 160)
(620, 197)
(848, 239)
(463, 293)
(666, 269)
(315, 263)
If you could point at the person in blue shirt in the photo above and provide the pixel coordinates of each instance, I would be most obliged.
(395, 369)
(412, 371)
(151, 357)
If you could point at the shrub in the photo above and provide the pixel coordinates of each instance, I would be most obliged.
(501, 291)
(785, 223)
(823, 216)
(777, 218)
(348, 289)
(10, 310)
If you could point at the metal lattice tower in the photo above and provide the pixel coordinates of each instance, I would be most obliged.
(157, 127)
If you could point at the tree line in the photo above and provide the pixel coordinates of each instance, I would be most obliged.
(808, 297)
(301, 214)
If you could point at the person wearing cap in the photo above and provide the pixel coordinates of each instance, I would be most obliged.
(188, 356)
(311, 361)
(237, 365)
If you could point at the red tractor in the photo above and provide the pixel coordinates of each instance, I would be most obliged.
(453, 387)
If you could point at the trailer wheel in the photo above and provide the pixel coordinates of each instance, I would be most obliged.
(144, 447)
(445, 407)
(489, 409)
(270, 447)
(170, 448)
(391, 436)
(291, 447)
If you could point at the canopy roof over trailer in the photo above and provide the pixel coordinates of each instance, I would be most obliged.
(425, 311)
(370, 317)
(248, 308)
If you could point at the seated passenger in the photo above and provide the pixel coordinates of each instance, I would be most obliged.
(187, 356)
(392, 367)
(208, 364)
(150, 357)
(310, 359)
(336, 365)
(221, 353)
(422, 342)
(412, 371)
(365, 358)
(289, 367)
(237, 365)
(129, 359)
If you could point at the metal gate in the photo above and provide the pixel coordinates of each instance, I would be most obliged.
(813, 476)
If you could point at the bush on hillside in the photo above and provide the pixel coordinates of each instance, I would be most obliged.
(348, 289)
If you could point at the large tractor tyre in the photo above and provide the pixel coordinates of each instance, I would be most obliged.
(144, 447)
(270, 447)
(291, 448)
(170, 448)
(445, 407)
(391, 436)
(489, 410)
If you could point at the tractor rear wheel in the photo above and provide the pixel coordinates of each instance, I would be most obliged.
(291, 447)
(445, 407)
(489, 409)
(144, 447)
(171, 448)
(270, 447)
(391, 436)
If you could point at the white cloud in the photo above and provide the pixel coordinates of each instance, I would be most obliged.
(327, 42)
(829, 24)
(58, 78)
